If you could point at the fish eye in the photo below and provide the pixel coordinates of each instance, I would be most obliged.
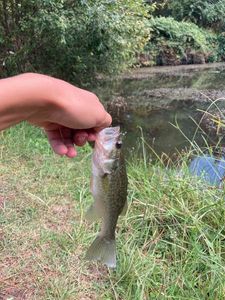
(119, 145)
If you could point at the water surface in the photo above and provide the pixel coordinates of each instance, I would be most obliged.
(156, 101)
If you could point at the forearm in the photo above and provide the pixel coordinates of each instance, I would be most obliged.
(20, 97)
(69, 115)
(49, 103)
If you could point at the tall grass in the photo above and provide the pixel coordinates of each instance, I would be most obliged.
(170, 244)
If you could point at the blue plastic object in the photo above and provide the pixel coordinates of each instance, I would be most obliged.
(209, 168)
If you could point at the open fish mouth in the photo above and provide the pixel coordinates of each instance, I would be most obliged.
(108, 138)
(109, 133)
(111, 130)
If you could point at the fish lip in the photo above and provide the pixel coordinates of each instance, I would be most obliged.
(110, 132)
(108, 135)
(105, 148)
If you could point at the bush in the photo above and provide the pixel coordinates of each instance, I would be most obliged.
(187, 10)
(180, 42)
(221, 48)
(214, 15)
(70, 39)
(206, 13)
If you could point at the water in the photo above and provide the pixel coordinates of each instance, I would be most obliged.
(165, 105)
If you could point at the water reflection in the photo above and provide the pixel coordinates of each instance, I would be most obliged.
(156, 101)
(159, 131)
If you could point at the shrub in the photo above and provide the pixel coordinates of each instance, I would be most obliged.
(221, 48)
(214, 15)
(178, 40)
(206, 13)
(71, 39)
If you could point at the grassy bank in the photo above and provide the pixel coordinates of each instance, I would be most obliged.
(171, 243)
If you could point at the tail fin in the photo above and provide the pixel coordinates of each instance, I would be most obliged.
(103, 250)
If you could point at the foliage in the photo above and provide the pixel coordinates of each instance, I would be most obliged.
(180, 38)
(214, 15)
(202, 12)
(184, 32)
(221, 47)
(70, 39)
(190, 10)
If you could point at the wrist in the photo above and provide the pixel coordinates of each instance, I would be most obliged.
(23, 96)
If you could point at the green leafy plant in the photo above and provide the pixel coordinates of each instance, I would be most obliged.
(177, 40)
(71, 39)
(221, 48)
(205, 13)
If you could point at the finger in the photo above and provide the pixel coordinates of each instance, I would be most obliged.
(92, 134)
(80, 137)
(66, 134)
(91, 137)
(71, 152)
(56, 142)
(103, 123)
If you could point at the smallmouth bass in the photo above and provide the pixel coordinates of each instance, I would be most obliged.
(109, 189)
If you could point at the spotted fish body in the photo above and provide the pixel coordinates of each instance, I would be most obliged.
(109, 190)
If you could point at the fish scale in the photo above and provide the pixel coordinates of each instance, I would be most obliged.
(109, 189)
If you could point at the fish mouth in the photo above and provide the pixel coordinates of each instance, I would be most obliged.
(107, 149)
(107, 140)
(109, 135)
(110, 132)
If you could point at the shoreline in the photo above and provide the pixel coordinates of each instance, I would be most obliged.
(146, 72)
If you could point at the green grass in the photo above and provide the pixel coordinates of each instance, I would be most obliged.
(171, 243)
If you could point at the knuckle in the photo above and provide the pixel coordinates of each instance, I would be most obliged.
(94, 97)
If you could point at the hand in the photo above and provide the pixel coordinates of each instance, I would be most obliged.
(69, 115)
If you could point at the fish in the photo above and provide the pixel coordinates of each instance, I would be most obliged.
(109, 189)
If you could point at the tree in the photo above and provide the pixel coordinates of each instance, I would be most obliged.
(206, 13)
(71, 39)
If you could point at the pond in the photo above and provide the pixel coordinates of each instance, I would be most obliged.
(168, 106)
